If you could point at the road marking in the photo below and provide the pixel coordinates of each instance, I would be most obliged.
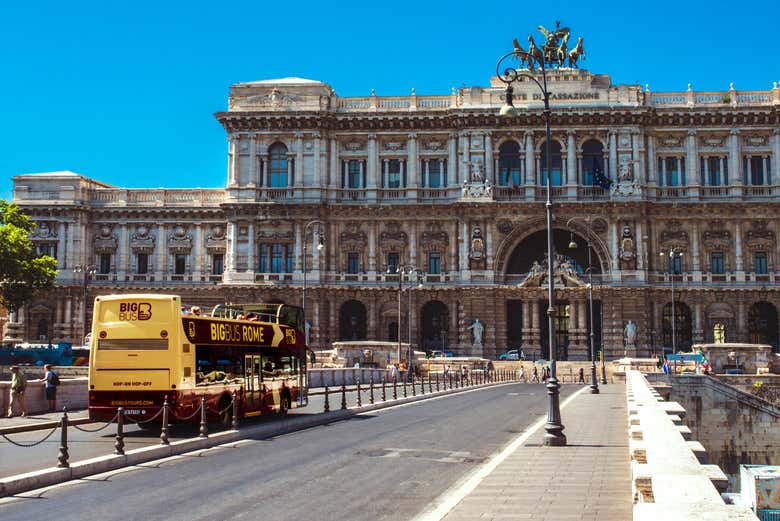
(447, 501)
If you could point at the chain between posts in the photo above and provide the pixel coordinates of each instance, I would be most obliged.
(27, 445)
(109, 422)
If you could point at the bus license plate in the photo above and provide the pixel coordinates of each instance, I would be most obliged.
(135, 411)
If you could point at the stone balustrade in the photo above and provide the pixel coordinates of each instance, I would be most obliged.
(669, 480)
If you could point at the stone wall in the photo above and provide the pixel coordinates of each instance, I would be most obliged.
(71, 393)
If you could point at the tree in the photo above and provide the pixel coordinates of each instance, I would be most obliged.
(23, 273)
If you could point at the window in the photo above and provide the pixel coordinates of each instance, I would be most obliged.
(716, 263)
(354, 169)
(179, 264)
(288, 259)
(675, 264)
(263, 268)
(756, 170)
(760, 263)
(394, 173)
(435, 173)
(671, 171)
(278, 165)
(592, 160)
(105, 263)
(142, 264)
(714, 171)
(217, 264)
(49, 249)
(277, 258)
(353, 263)
(509, 164)
(434, 263)
(556, 163)
(393, 261)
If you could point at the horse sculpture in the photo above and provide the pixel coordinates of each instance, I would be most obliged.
(562, 50)
(520, 53)
(534, 53)
(575, 54)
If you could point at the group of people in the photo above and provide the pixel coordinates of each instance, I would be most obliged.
(19, 383)
(194, 311)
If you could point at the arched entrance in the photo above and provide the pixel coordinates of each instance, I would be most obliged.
(763, 324)
(352, 321)
(433, 331)
(683, 328)
(534, 248)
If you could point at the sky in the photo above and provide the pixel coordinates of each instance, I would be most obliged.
(125, 91)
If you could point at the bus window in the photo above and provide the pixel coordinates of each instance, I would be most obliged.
(287, 365)
(270, 368)
(215, 366)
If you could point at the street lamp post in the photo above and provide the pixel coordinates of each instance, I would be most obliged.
(594, 386)
(400, 271)
(419, 274)
(320, 246)
(547, 55)
(88, 270)
(672, 254)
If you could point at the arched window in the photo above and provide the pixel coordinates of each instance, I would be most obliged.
(592, 161)
(509, 164)
(278, 165)
(763, 324)
(556, 164)
(352, 321)
(683, 330)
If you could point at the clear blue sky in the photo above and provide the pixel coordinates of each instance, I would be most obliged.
(125, 91)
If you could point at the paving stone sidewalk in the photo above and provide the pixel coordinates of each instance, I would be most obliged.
(41, 418)
(589, 479)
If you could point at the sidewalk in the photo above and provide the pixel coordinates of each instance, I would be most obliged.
(589, 479)
(42, 418)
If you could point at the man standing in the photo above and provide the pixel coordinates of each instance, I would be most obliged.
(18, 385)
(50, 381)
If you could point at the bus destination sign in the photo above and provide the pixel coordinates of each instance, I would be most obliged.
(205, 331)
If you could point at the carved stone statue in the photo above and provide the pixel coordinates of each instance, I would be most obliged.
(629, 335)
(477, 329)
(627, 246)
(477, 173)
(625, 171)
(576, 53)
(477, 251)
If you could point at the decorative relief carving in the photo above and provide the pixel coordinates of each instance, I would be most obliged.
(393, 238)
(353, 238)
(275, 236)
(716, 237)
(354, 146)
(434, 144)
(180, 241)
(505, 226)
(674, 236)
(43, 231)
(434, 238)
(670, 140)
(599, 226)
(141, 241)
(759, 237)
(712, 141)
(275, 99)
(105, 240)
(756, 141)
(627, 249)
(394, 146)
(215, 239)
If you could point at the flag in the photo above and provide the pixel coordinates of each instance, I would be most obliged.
(666, 366)
(598, 175)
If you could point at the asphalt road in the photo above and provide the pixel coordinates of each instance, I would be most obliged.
(389, 464)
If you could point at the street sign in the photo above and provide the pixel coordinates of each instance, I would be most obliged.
(685, 357)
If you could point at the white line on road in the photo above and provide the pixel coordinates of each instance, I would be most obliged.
(447, 501)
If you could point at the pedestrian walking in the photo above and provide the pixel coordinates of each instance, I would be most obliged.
(18, 386)
(50, 382)
(394, 372)
(582, 376)
(535, 376)
(522, 374)
(544, 375)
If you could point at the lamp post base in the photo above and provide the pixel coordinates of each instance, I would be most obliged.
(554, 436)
(594, 385)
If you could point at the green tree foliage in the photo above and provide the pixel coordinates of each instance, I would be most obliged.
(23, 273)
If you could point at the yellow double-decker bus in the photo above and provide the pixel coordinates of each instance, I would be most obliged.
(145, 348)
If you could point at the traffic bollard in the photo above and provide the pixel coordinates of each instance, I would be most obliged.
(119, 445)
(371, 389)
(404, 386)
(437, 382)
(357, 386)
(234, 423)
(63, 456)
(395, 387)
(343, 396)
(384, 393)
(327, 403)
(414, 391)
(164, 432)
(203, 432)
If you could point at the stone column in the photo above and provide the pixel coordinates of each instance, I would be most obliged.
(372, 250)
(735, 163)
(74, 230)
(652, 163)
(695, 261)
(335, 173)
(198, 251)
(571, 159)
(371, 164)
(464, 245)
(122, 257)
(530, 160)
(489, 245)
(738, 264)
(413, 243)
(317, 161)
(691, 172)
(230, 253)
(536, 331)
(640, 247)
(63, 260)
(489, 170)
(298, 262)
(452, 266)
(411, 165)
(299, 180)
(463, 150)
(252, 159)
(613, 170)
(250, 258)
(641, 172)
(232, 159)
(452, 160)
(162, 252)
(613, 235)
(698, 323)
(775, 171)
(291, 179)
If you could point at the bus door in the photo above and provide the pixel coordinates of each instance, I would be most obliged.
(252, 383)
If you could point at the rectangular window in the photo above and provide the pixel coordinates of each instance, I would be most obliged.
(142, 261)
(217, 264)
(716, 263)
(760, 260)
(263, 268)
(353, 263)
(675, 172)
(711, 174)
(434, 173)
(277, 258)
(676, 264)
(288, 258)
(179, 264)
(47, 249)
(353, 174)
(393, 261)
(434, 263)
(394, 173)
(105, 263)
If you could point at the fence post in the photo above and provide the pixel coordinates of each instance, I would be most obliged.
(119, 445)
(343, 395)
(164, 431)
(327, 403)
(371, 388)
(395, 387)
(437, 382)
(234, 423)
(63, 456)
(405, 378)
(384, 393)
(357, 386)
(414, 391)
(204, 430)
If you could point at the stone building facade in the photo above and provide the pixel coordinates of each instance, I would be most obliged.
(334, 194)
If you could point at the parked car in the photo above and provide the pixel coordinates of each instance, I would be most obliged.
(512, 354)
(442, 354)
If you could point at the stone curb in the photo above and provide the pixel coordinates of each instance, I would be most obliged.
(20, 483)
(42, 426)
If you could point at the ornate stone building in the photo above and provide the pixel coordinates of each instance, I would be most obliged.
(445, 185)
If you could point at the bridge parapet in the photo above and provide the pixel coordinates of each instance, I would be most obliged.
(669, 480)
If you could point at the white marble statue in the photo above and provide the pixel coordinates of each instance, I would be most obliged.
(477, 329)
(629, 334)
